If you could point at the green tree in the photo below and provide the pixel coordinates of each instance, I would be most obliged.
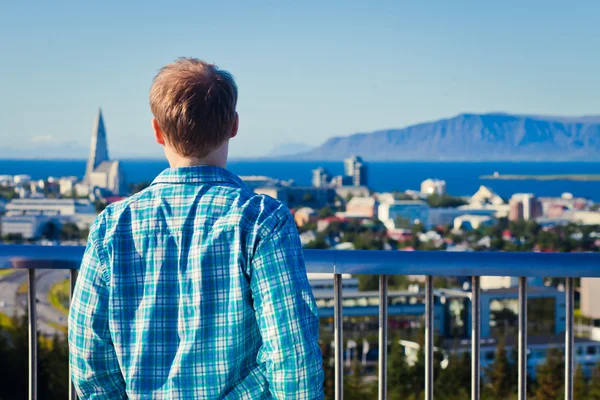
(69, 231)
(51, 231)
(580, 386)
(100, 206)
(550, 376)
(326, 212)
(318, 243)
(594, 389)
(308, 198)
(499, 374)
(354, 386)
(399, 373)
(436, 201)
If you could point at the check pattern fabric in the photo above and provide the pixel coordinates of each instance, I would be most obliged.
(195, 288)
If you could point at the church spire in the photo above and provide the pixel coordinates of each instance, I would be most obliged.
(98, 148)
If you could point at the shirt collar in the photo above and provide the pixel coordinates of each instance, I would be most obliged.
(198, 174)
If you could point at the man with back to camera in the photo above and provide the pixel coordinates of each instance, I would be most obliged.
(194, 288)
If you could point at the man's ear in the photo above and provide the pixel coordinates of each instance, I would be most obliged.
(236, 125)
(158, 134)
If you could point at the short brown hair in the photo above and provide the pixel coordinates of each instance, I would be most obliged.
(194, 104)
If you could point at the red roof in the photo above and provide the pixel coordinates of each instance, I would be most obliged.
(114, 199)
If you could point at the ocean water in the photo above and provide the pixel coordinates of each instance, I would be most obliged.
(462, 178)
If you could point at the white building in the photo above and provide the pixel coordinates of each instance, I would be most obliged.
(485, 195)
(80, 212)
(100, 171)
(17, 179)
(433, 186)
(590, 297)
(469, 222)
(505, 282)
(412, 211)
(6, 180)
(446, 215)
(67, 185)
(26, 226)
(583, 217)
(365, 207)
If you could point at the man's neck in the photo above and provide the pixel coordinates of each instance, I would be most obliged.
(182, 162)
(217, 158)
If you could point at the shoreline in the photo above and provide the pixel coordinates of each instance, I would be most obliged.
(555, 177)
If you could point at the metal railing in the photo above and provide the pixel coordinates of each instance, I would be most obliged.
(382, 263)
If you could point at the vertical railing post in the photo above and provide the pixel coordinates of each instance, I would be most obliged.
(569, 340)
(73, 279)
(32, 327)
(383, 340)
(429, 305)
(337, 335)
(522, 338)
(475, 338)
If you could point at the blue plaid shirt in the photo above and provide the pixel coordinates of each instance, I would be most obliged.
(195, 288)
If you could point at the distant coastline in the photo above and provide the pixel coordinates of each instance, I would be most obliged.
(557, 177)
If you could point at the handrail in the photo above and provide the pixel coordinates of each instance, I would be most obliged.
(384, 262)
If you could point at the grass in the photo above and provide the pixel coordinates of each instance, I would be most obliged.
(23, 288)
(58, 327)
(5, 272)
(58, 293)
(5, 321)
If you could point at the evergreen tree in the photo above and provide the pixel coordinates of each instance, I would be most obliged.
(328, 372)
(454, 382)
(499, 375)
(354, 387)
(399, 373)
(594, 390)
(580, 386)
(550, 377)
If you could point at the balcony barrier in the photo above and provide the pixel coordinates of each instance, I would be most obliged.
(382, 263)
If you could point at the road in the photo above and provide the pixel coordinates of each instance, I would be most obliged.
(12, 303)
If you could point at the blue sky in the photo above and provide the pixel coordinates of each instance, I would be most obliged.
(306, 71)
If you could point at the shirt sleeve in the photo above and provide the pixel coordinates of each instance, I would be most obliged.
(287, 315)
(95, 371)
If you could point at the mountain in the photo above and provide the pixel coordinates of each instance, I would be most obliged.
(473, 137)
(289, 148)
(46, 151)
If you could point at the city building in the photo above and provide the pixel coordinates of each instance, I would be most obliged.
(590, 297)
(101, 172)
(67, 186)
(524, 207)
(352, 191)
(404, 211)
(485, 195)
(256, 181)
(321, 177)
(6, 180)
(24, 226)
(444, 216)
(296, 196)
(583, 217)
(3, 204)
(305, 215)
(505, 282)
(80, 212)
(433, 186)
(469, 222)
(356, 170)
(21, 179)
(365, 207)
